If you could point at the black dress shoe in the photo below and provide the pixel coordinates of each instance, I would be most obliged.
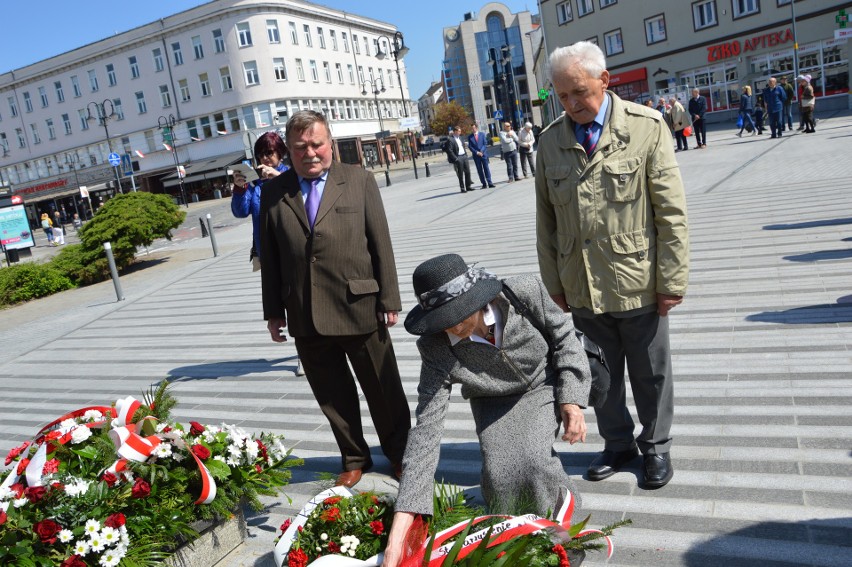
(609, 462)
(492, 186)
(657, 470)
(470, 187)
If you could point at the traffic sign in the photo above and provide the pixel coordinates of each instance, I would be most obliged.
(126, 165)
(543, 94)
(410, 122)
(114, 159)
(498, 115)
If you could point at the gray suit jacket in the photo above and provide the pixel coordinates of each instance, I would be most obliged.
(520, 365)
(332, 280)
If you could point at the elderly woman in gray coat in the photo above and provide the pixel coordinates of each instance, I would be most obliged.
(520, 396)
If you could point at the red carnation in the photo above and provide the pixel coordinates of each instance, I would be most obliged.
(331, 500)
(73, 561)
(201, 452)
(13, 453)
(166, 429)
(22, 466)
(141, 489)
(371, 510)
(50, 467)
(55, 434)
(563, 555)
(196, 428)
(378, 527)
(35, 493)
(2, 517)
(18, 489)
(115, 520)
(333, 547)
(285, 525)
(330, 515)
(46, 530)
(109, 478)
(297, 558)
(57, 486)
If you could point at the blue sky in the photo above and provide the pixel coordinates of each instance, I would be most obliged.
(50, 27)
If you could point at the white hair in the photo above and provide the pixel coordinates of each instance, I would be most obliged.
(584, 53)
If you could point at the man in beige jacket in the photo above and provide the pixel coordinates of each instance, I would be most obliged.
(613, 248)
(678, 120)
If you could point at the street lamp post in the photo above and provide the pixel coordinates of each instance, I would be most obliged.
(103, 116)
(377, 87)
(73, 160)
(398, 52)
(169, 122)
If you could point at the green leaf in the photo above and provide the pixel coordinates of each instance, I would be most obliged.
(218, 469)
(87, 452)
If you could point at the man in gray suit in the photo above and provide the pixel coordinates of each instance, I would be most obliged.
(329, 276)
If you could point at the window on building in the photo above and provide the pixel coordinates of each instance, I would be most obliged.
(279, 68)
(264, 116)
(332, 35)
(75, 86)
(243, 34)
(218, 41)
(585, 7)
(366, 46)
(300, 71)
(51, 129)
(66, 123)
(314, 71)
(165, 96)
(233, 120)
(294, 35)
(93, 80)
(704, 14)
(134, 67)
(110, 71)
(116, 107)
(204, 84)
(28, 103)
(197, 48)
(655, 29)
(34, 132)
(272, 32)
(177, 54)
(360, 74)
(42, 94)
(390, 79)
(605, 3)
(13, 106)
(183, 89)
(157, 54)
(140, 103)
(345, 40)
(564, 12)
(370, 73)
(206, 129)
(60, 96)
(356, 45)
(248, 117)
(22, 142)
(250, 69)
(339, 68)
(351, 70)
(192, 128)
(612, 42)
(84, 119)
(745, 8)
(327, 71)
(225, 79)
(4, 143)
(308, 41)
(321, 37)
(219, 119)
(150, 144)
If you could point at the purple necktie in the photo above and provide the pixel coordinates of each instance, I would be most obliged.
(312, 202)
(587, 142)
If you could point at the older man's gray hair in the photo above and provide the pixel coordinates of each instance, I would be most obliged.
(583, 53)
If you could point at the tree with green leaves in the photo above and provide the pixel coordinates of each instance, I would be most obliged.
(451, 114)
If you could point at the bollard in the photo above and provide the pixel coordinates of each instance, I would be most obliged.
(119, 295)
(427, 170)
(387, 178)
(203, 227)
(212, 236)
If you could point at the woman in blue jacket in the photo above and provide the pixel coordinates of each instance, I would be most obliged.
(746, 108)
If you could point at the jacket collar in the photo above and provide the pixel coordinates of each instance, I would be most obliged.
(613, 135)
(334, 183)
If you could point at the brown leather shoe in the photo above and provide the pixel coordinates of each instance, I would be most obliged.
(397, 470)
(349, 478)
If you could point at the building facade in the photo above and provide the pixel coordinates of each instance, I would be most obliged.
(719, 46)
(426, 105)
(487, 66)
(222, 74)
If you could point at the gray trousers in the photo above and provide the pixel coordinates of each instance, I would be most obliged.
(519, 465)
(642, 341)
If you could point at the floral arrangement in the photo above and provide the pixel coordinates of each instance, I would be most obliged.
(121, 485)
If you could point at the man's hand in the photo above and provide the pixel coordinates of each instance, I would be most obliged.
(574, 422)
(666, 302)
(559, 300)
(276, 327)
(388, 318)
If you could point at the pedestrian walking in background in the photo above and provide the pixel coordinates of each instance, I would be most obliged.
(477, 143)
(526, 141)
(662, 107)
(787, 109)
(759, 114)
(624, 221)
(78, 224)
(808, 104)
(746, 109)
(773, 98)
(509, 151)
(697, 109)
(678, 120)
(457, 156)
(47, 226)
(329, 276)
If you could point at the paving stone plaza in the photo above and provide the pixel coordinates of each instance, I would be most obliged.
(762, 351)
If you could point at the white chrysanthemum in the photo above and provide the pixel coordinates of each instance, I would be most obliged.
(120, 550)
(77, 488)
(68, 423)
(252, 450)
(81, 548)
(93, 415)
(4, 506)
(208, 437)
(110, 535)
(18, 502)
(125, 539)
(80, 434)
(323, 536)
(351, 552)
(214, 429)
(92, 527)
(65, 536)
(219, 458)
(163, 450)
(5, 493)
(97, 543)
(161, 426)
(230, 461)
(109, 559)
(235, 451)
